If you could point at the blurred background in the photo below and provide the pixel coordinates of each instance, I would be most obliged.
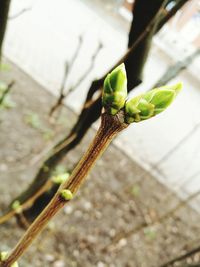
(151, 173)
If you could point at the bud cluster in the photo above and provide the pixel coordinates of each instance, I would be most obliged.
(138, 108)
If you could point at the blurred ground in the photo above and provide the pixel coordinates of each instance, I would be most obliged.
(104, 225)
(42, 39)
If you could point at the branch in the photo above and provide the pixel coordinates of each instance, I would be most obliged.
(175, 69)
(4, 94)
(182, 257)
(159, 220)
(168, 15)
(68, 67)
(24, 10)
(86, 73)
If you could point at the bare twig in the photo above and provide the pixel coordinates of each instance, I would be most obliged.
(159, 220)
(86, 73)
(182, 257)
(27, 203)
(176, 68)
(4, 94)
(24, 10)
(68, 67)
(78, 82)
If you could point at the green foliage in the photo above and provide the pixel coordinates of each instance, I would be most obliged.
(115, 90)
(138, 108)
(149, 104)
(66, 194)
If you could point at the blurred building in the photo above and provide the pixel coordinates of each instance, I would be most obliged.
(187, 22)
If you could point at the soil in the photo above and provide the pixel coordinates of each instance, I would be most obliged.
(114, 219)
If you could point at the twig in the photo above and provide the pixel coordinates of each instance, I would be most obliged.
(86, 73)
(4, 94)
(61, 95)
(68, 67)
(20, 13)
(27, 203)
(159, 220)
(182, 257)
(90, 113)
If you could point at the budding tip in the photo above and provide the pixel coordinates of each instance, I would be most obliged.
(66, 194)
(115, 90)
(122, 68)
(178, 87)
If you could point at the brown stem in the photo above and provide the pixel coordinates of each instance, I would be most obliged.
(110, 126)
(28, 203)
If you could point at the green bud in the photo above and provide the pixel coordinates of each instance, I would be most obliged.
(149, 104)
(66, 194)
(61, 178)
(4, 255)
(16, 206)
(115, 90)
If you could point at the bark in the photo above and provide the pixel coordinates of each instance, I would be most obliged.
(4, 9)
(143, 13)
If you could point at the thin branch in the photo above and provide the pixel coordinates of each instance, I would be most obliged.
(24, 10)
(167, 15)
(175, 69)
(78, 82)
(27, 203)
(88, 70)
(182, 257)
(68, 67)
(7, 90)
(159, 220)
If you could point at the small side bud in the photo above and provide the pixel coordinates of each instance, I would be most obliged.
(16, 206)
(115, 90)
(3, 257)
(66, 194)
(149, 104)
(61, 178)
